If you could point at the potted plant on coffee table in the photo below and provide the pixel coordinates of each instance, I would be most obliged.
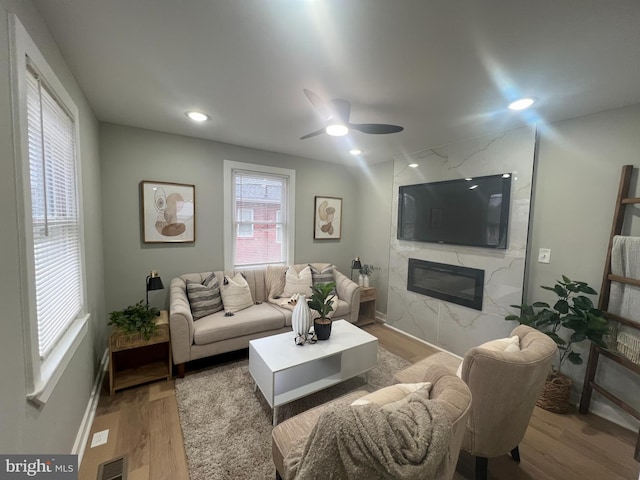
(320, 301)
(572, 312)
(135, 319)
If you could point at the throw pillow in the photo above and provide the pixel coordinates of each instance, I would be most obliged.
(391, 394)
(274, 280)
(236, 294)
(509, 344)
(204, 299)
(323, 276)
(298, 282)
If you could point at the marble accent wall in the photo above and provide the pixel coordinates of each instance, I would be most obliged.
(453, 327)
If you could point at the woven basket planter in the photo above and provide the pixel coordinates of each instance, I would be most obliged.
(555, 394)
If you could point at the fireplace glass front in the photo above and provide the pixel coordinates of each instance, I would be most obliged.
(452, 283)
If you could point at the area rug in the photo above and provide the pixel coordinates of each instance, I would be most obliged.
(227, 425)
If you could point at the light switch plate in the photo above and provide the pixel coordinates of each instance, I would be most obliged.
(544, 255)
(99, 438)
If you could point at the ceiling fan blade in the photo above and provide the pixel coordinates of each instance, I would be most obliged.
(376, 128)
(319, 104)
(313, 134)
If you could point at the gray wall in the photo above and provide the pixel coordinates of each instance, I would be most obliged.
(53, 428)
(577, 179)
(375, 191)
(129, 155)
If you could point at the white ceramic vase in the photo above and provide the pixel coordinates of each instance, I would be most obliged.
(301, 317)
(361, 280)
(366, 281)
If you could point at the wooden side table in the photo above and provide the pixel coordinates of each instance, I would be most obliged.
(367, 313)
(134, 360)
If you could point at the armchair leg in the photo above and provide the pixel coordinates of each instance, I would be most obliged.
(278, 477)
(180, 370)
(481, 468)
(515, 454)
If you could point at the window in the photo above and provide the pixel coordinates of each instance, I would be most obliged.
(52, 225)
(245, 223)
(258, 215)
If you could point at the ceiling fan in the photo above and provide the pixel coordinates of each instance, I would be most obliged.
(336, 113)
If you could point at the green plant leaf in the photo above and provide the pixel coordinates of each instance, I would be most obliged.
(548, 288)
(561, 306)
(556, 338)
(561, 292)
(512, 317)
(575, 358)
(541, 305)
(584, 288)
(566, 279)
(578, 337)
(583, 303)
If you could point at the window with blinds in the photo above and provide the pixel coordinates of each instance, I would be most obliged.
(258, 200)
(55, 213)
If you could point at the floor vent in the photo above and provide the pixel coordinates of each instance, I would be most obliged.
(114, 469)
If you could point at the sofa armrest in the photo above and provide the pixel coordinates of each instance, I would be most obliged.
(349, 291)
(180, 321)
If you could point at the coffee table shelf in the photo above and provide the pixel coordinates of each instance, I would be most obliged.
(285, 372)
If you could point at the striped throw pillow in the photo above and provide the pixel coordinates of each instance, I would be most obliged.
(323, 276)
(204, 298)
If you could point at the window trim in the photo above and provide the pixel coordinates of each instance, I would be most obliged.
(229, 208)
(42, 375)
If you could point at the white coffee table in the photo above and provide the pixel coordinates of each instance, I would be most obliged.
(285, 371)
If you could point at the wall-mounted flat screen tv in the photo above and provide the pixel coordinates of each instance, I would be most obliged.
(469, 211)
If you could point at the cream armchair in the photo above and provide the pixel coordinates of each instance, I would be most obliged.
(504, 387)
(447, 390)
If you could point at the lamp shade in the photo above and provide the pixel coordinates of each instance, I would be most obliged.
(154, 282)
(356, 263)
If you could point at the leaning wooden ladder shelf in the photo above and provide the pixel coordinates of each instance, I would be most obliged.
(622, 201)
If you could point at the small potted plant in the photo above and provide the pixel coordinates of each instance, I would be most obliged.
(365, 272)
(139, 318)
(572, 312)
(320, 301)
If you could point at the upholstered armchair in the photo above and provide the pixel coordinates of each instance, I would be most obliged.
(447, 390)
(504, 388)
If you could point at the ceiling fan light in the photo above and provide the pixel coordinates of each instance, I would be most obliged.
(337, 130)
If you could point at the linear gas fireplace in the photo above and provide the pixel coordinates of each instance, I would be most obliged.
(451, 283)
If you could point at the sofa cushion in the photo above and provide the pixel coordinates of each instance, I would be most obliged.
(298, 282)
(204, 298)
(323, 276)
(236, 294)
(274, 280)
(259, 318)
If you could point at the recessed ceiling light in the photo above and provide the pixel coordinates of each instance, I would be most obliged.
(197, 116)
(468, 179)
(506, 175)
(473, 186)
(413, 165)
(355, 151)
(522, 103)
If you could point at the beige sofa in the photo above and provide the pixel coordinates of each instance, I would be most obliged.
(216, 333)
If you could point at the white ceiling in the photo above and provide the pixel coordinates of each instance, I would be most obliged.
(444, 70)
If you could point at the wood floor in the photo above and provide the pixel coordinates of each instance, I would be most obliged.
(143, 424)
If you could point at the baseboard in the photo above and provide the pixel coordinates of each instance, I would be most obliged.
(90, 412)
(422, 341)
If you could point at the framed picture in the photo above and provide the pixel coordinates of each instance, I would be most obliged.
(327, 215)
(168, 212)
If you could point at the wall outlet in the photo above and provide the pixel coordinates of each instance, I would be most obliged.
(544, 255)
(99, 438)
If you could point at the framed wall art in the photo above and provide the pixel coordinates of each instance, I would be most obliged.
(168, 212)
(327, 218)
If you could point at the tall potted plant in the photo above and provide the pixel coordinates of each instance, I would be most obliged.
(572, 319)
(320, 301)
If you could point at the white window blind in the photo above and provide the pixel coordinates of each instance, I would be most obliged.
(55, 214)
(264, 195)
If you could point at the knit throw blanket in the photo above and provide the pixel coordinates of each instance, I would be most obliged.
(369, 442)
